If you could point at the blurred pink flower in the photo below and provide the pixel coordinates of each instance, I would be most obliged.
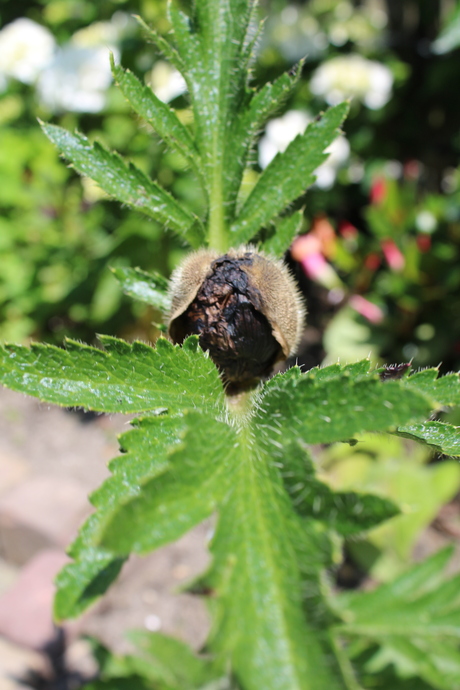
(308, 251)
(369, 310)
(378, 190)
(393, 255)
(323, 230)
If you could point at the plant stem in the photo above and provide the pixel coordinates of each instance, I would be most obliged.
(240, 404)
(218, 233)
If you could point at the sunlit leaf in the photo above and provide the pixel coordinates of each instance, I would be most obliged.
(151, 287)
(288, 175)
(120, 378)
(125, 182)
(444, 438)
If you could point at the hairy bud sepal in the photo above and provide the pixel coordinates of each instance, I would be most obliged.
(244, 306)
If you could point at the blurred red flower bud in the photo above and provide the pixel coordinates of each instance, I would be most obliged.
(424, 243)
(347, 230)
(412, 170)
(372, 261)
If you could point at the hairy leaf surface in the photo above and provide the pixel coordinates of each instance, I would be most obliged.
(158, 114)
(181, 497)
(259, 106)
(286, 230)
(444, 390)
(145, 455)
(444, 438)
(162, 44)
(126, 183)
(123, 378)
(321, 410)
(151, 287)
(288, 175)
(346, 512)
(260, 550)
(274, 515)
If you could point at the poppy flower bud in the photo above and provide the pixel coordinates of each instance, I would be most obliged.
(244, 306)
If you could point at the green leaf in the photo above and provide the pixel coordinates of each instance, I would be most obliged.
(259, 549)
(163, 662)
(151, 287)
(181, 497)
(333, 371)
(444, 438)
(288, 175)
(409, 618)
(287, 229)
(336, 409)
(126, 183)
(187, 45)
(80, 584)
(263, 549)
(346, 512)
(252, 38)
(247, 126)
(420, 603)
(431, 661)
(420, 489)
(123, 378)
(212, 47)
(444, 391)
(158, 114)
(162, 44)
(145, 455)
(174, 662)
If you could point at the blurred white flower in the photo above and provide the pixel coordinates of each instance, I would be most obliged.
(353, 75)
(166, 82)
(77, 79)
(25, 48)
(339, 152)
(282, 130)
(426, 222)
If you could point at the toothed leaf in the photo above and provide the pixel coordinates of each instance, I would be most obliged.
(151, 287)
(286, 230)
(126, 183)
(158, 114)
(444, 390)
(120, 378)
(442, 437)
(288, 175)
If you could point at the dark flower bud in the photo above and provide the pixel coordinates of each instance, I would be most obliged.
(244, 306)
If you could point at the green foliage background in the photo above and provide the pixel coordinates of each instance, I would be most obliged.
(58, 238)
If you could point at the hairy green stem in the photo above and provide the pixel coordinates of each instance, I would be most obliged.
(217, 232)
